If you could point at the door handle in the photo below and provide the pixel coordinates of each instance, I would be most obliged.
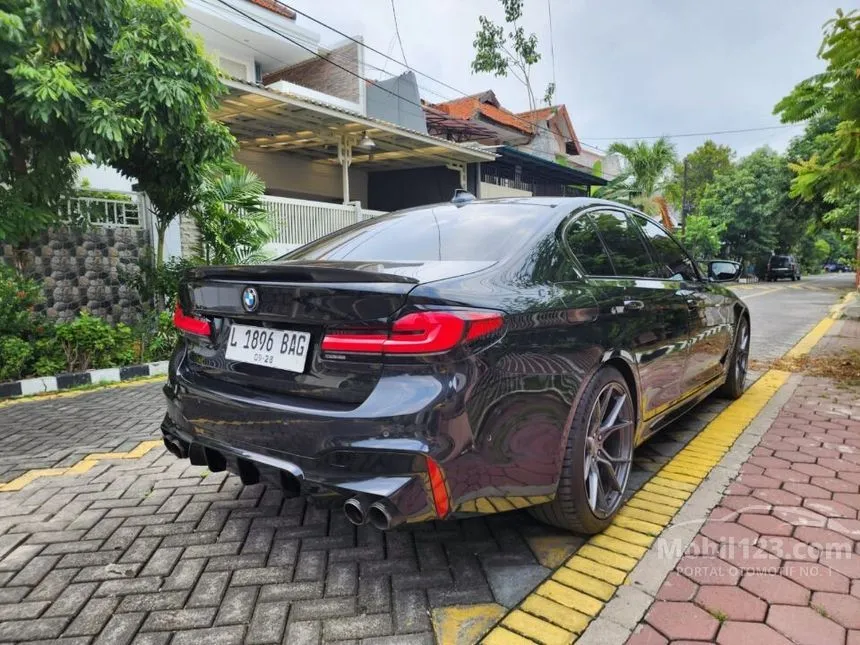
(634, 305)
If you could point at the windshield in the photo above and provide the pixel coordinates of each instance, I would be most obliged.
(472, 232)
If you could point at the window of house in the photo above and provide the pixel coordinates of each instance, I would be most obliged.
(672, 261)
(627, 249)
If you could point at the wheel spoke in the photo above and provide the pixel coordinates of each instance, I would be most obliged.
(616, 410)
(608, 431)
(592, 484)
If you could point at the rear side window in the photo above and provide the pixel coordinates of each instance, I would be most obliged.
(625, 244)
(673, 263)
(582, 238)
(472, 232)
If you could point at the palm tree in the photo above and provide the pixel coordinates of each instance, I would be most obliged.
(233, 223)
(646, 171)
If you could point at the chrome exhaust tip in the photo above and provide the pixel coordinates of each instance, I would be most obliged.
(381, 516)
(354, 511)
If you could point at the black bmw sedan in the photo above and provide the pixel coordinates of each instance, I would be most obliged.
(454, 359)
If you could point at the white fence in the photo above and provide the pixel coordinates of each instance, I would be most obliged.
(125, 212)
(297, 221)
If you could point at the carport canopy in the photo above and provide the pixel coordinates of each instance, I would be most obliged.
(267, 120)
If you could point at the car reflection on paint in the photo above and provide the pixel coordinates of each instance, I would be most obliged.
(462, 358)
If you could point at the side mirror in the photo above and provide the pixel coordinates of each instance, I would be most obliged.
(724, 270)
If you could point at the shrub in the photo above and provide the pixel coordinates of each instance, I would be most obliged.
(89, 342)
(15, 353)
(162, 336)
(18, 296)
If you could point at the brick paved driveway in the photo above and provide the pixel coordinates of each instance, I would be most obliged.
(154, 550)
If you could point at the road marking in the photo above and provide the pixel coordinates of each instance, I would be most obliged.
(464, 625)
(80, 467)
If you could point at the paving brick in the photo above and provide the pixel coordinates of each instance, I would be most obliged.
(52, 584)
(682, 620)
(733, 602)
(839, 607)
(23, 630)
(120, 629)
(678, 588)
(227, 635)
(324, 608)
(210, 589)
(738, 633)
(154, 601)
(185, 574)
(303, 633)
(816, 577)
(357, 627)
(411, 611)
(804, 626)
(22, 610)
(160, 621)
(775, 589)
(268, 622)
(237, 606)
(93, 617)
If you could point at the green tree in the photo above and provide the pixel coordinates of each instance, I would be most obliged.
(229, 213)
(750, 201)
(834, 166)
(703, 165)
(121, 80)
(643, 177)
(703, 237)
(162, 76)
(514, 53)
(51, 52)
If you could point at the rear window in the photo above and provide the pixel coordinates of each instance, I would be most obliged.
(779, 261)
(472, 232)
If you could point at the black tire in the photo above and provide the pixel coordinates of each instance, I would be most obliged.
(733, 387)
(571, 509)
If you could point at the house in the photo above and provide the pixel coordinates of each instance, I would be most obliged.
(331, 147)
(538, 151)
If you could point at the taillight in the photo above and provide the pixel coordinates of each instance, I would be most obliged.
(190, 324)
(421, 332)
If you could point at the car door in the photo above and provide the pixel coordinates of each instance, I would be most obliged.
(639, 313)
(709, 310)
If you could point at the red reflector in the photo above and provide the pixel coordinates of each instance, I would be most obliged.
(421, 332)
(190, 324)
(437, 486)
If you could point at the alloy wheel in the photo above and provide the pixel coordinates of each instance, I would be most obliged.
(608, 450)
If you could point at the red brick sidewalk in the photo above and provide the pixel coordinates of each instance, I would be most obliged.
(778, 561)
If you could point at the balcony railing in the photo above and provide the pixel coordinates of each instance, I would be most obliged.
(298, 221)
(122, 211)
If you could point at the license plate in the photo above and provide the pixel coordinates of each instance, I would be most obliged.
(277, 348)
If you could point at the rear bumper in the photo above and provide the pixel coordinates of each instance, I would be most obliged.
(320, 452)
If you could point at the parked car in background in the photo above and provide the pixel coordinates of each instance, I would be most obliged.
(837, 267)
(782, 266)
(455, 359)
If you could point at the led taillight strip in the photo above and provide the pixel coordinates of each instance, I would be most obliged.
(190, 324)
(423, 332)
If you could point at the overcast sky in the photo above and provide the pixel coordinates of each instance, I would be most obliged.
(624, 68)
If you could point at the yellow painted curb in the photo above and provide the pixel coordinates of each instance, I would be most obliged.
(34, 398)
(82, 466)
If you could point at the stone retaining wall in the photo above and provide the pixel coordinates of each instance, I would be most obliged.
(87, 270)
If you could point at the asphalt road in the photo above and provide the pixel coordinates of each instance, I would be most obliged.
(781, 313)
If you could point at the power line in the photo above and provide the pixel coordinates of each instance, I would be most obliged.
(551, 44)
(397, 31)
(699, 134)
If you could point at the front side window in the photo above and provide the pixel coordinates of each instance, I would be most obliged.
(624, 242)
(673, 263)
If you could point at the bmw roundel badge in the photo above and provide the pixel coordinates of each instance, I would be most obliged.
(250, 299)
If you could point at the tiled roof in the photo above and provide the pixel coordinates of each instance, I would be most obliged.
(275, 7)
(542, 115)
(470, 106)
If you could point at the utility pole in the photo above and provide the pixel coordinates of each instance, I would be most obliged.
(684, 200)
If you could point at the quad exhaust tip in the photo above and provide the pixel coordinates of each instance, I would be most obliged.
(353, 508)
